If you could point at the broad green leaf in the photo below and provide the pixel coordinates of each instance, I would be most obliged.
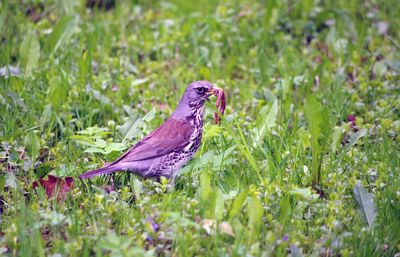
(138, 82)
(29, 52)
(3, 181)
(32, 143)
(269, 17)
(93, 131)
(104, 99)
(284, 209)
(125, 242)
(131, 128)
(317, 117)
(305, 193)
(365, 203)
(238, 203)
(139, 251)
(198, 163)
(204, 159)
(84, 141)
(255, 213)
(114, 147)
(110, 242)
(355, 137)
(336, 136)
(269, 120)
(94, 150)
(3, 14)
(62, 32)
(137, 187)
(222, 158)
(320, 129)
(312, 112)
(298, 80)
(205, 185)
(219, 204)
(100, 143)
(46, 116)
(11, 180)
(150, 115)
(57, 92)
(93, 137)
(210, 131)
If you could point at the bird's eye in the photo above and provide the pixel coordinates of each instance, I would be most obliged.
(200, 90)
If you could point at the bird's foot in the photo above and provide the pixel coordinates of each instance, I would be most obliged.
(171, 185)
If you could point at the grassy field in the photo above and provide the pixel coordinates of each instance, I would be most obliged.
(305, 163)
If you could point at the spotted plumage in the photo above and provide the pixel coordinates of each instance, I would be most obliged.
(166, 149)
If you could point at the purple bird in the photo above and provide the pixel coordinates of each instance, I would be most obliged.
(166, 149)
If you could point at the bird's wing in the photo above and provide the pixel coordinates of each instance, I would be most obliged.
(170, 137)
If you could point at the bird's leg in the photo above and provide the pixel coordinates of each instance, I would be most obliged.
(171, 185)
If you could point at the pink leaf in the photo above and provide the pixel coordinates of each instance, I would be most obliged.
(55, 186)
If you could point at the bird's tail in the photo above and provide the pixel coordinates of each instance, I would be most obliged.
(101, 171)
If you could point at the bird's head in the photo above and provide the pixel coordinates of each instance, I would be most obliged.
(194, 97)
(198, 92)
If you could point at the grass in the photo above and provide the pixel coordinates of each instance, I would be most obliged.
(79, 85)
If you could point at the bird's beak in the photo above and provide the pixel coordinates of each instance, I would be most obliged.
(214, 91)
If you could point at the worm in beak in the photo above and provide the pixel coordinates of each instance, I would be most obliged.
(220, 103)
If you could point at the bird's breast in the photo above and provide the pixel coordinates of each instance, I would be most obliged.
(171, 163)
